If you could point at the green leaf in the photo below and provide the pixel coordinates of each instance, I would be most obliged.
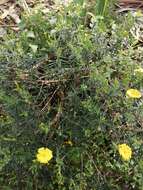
(30, 34)
(101, 6)
(33, 47)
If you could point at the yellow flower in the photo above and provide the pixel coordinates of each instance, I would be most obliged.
(44, 155)
(68, 142)
(133, 93)
(139, 70)
(125, 151)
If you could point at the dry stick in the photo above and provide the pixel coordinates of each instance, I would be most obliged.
(51, 81)
(129, 1)
(46, 105)
(25, 6)
(57, 117)
(134, 130)
(7, 25)
(130, 129)
(97, 169)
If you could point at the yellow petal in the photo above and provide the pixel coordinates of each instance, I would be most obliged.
(125, 151)
(68, 142)
(133, 93)
(40, 149)
(44, 155)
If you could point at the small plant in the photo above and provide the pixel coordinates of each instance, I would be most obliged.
(72, 86)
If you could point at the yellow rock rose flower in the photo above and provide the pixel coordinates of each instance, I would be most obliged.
(68, 142)
(125, 151)
(133, 93)
(44, 155)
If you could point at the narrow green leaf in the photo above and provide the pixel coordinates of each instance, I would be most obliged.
(101, 7)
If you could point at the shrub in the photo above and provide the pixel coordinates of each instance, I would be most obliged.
(63, 86)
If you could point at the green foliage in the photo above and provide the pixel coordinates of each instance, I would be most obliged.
(101, 6)
(64, 78)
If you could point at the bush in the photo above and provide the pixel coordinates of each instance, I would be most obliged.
(64, 78)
